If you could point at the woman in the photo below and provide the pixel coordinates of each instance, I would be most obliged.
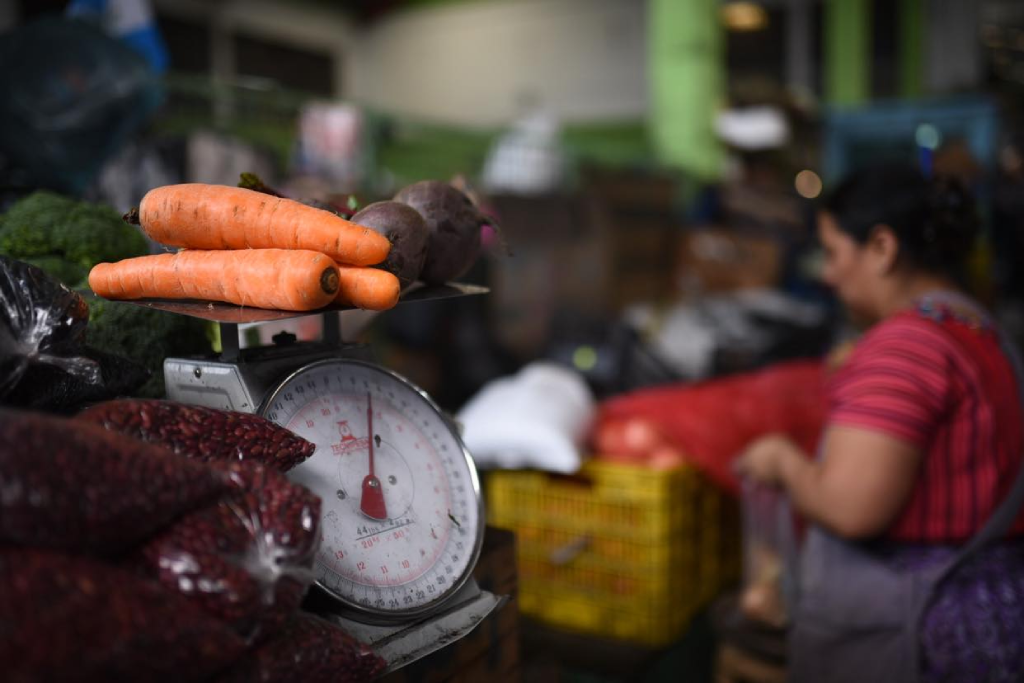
(923, 445)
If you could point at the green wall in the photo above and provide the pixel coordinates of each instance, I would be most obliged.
(686, 75)
(912, 32)
(847, 51)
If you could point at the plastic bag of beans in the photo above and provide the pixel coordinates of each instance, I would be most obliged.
(67, 618)
(76, 487)
(246, 559)
(310, 650)
(203, 433)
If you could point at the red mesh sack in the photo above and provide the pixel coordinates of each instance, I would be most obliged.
(709, 423)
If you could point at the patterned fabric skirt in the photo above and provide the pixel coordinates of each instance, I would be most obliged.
(973, 630)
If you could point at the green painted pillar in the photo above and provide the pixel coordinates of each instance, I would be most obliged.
(686, 63)
(912, 47)
(847, 51)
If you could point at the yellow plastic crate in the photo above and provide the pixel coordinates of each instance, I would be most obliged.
(619, 551)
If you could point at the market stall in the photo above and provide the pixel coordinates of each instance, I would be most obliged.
(484, 340)
(278, 512)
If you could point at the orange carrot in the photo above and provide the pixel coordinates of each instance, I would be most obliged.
(369, 288)
(291, 280)
(201, 216)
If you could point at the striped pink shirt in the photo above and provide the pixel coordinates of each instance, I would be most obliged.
(947, 388)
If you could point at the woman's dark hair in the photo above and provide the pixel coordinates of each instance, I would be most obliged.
(935, 221)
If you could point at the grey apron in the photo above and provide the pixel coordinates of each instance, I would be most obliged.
(856, 618)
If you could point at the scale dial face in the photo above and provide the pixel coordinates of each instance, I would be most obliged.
(401, 507)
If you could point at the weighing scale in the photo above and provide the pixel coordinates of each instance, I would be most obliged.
(402, 512)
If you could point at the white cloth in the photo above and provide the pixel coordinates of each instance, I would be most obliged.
(536, 419)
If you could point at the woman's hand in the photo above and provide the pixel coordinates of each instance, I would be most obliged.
(856, 489)
(764, 459)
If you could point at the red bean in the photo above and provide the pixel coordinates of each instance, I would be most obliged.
(74, 486)
(310, 650)
(246, 559)
(203, 433)
(68, 618)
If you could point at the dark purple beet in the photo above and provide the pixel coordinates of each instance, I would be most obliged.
(408, 233)
(454, 223)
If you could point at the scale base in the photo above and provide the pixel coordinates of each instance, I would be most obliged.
(402, 644)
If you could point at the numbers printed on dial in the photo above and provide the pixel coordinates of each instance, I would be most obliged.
(397, 509)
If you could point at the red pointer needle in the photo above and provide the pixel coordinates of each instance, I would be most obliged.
(372, 502)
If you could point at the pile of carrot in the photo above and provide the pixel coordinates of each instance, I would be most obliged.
(250, 249)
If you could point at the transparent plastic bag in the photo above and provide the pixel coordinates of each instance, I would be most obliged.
(45, 386)
(41, 321)
(44, 364)
(246, 559)
(199, 433)
(769, 555)
(76, 487)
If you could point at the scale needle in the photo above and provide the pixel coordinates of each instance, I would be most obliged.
(372, 503)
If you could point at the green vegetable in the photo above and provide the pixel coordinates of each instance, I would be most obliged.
(46, 224)
(251, 181)
(146, 336)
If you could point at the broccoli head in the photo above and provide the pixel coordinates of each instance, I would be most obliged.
(146, 336)
(47, 224)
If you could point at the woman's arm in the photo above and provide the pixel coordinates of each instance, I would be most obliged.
(857, 489)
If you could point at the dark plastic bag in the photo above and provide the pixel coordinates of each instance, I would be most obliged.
(43, 363)
(49, 388)
(41, 322)
(72, 96)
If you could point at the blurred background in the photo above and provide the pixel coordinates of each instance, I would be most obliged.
(646, 159)
(653, 164)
